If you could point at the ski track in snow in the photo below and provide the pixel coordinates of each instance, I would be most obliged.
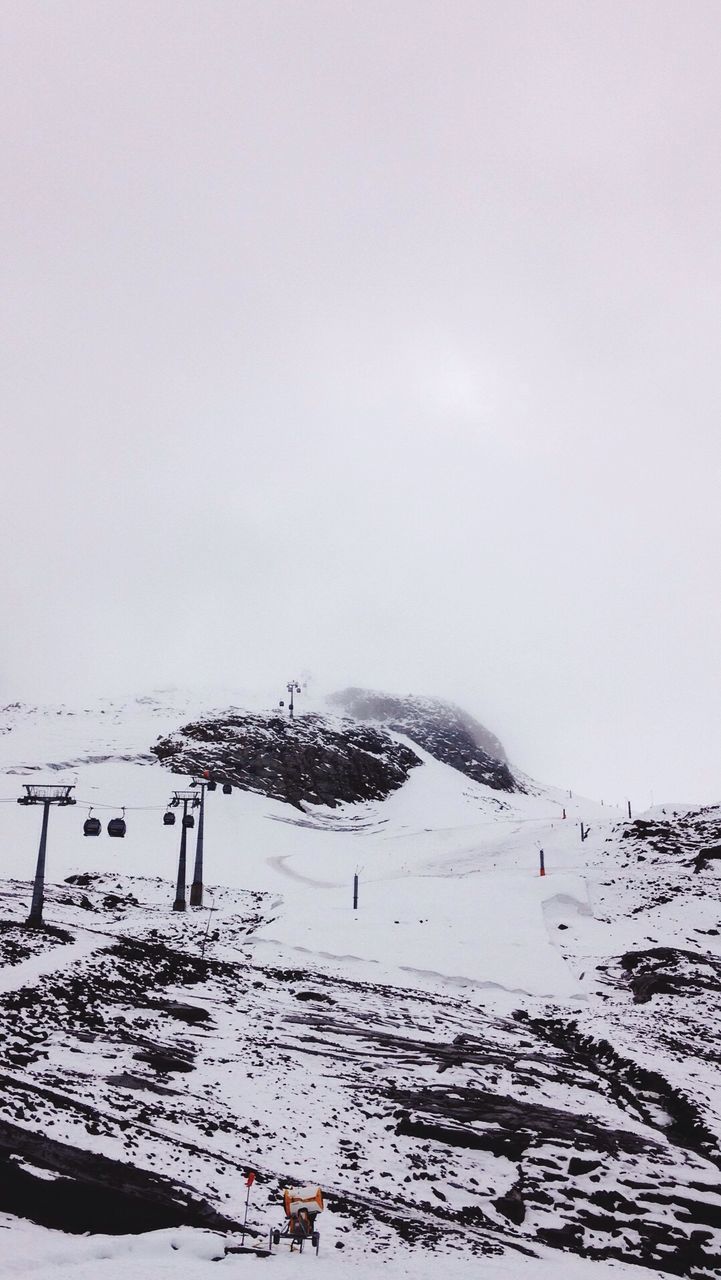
(29, 972)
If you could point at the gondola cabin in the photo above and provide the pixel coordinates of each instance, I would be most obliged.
(227, 788)
(168, 819)
(188, 820)
(116, 827)
(92, 827)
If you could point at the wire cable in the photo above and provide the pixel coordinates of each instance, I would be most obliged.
(131, 808)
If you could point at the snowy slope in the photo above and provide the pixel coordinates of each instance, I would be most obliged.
(461, 1062)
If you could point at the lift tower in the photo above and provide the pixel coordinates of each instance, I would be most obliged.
(293, 687)
(44, 795)
(185, 798)
(196, 888)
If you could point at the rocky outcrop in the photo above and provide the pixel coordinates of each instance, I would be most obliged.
(309, 760)
(440, 728)
(670, 971)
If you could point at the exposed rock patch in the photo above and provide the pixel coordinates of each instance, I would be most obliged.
(697, 832)
(309, 760)
(62, 1186)
(443, 730)
(19, 943)
(707, 855)
(670, 971)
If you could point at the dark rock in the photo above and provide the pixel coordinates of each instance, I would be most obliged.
(670, 971)
(511, 1206)
(569, 1236)
(684, 1124)
(73, 1190)
(114, 901)
(188, 1013)
(309, 760)
(703, 858)
(443, 730)
(577, 1166)
(164, 1060)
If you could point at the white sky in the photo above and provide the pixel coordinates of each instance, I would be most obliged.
(378, 338)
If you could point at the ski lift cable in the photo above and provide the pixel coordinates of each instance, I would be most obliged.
(131, 808)
(93, 804)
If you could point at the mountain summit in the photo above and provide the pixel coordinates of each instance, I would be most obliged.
(329, 760)
(442, 729)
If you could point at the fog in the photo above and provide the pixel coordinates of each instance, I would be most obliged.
(378, 340)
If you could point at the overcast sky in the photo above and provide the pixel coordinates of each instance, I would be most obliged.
(379, 339)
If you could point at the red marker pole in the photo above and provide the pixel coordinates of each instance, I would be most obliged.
(248, 1182)
(542, 868)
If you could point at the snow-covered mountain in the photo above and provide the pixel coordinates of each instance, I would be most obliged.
(443, 730)
(516, 1072)
(312, 759)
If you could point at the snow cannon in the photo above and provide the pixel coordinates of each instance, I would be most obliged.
(301, 1206)
(297, 1198)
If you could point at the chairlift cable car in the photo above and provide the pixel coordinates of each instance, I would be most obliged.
(169, 819)
(92, 826)
(117, 827)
